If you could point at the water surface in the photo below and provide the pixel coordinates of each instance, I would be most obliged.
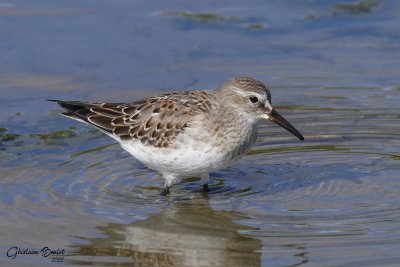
(332, 200)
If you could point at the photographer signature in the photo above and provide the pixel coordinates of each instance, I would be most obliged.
(45, 252)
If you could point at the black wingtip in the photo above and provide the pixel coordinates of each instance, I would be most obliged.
(52, 100)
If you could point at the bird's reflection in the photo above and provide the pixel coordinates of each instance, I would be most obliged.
(186, 233)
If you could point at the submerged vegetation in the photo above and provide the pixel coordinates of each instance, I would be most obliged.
(355, 8)
(188, 19)
(200, 17)
(55, 137)
(5, 136)
(50, 138)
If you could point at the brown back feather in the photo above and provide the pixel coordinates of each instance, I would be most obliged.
(155, 121)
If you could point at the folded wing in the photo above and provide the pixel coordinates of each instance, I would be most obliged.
(155, 121)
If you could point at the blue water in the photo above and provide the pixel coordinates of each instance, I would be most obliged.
(333, 70)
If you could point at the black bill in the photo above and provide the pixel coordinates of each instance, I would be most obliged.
(278, 119)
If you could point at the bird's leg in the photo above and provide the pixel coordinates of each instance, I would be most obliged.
(206, 188)
(169, 181)
(165, 192)
(204, 179)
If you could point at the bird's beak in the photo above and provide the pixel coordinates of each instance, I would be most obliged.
(278, 119)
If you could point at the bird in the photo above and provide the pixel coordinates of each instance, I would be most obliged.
(188, 133)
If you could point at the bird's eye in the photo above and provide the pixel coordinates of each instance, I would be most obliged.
(253, 99)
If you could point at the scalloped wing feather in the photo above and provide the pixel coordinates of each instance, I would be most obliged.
(155, 121)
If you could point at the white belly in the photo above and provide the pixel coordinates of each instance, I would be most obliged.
(191, 154)
(182, 162)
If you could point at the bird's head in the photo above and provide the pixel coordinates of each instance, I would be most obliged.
(252, 99)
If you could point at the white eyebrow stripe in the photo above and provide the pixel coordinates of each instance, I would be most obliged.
(240, 92)
(263, 98)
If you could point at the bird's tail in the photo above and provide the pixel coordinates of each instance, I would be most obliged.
(75, 110)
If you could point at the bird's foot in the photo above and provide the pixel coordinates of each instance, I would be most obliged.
(206, 188)
(165, 192)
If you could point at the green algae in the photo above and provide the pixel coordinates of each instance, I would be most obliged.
(5, 136)
(55, 137)
(200, 17)
(9, 137)
(355, 8)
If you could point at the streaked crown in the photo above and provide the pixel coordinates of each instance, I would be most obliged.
(247, 85)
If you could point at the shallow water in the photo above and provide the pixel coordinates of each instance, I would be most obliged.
(332, 200)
